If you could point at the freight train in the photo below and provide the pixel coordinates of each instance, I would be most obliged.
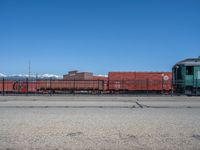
(184, 79)
(116, 82)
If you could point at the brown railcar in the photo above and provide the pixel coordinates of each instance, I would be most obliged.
(63, 85)
(139, 81)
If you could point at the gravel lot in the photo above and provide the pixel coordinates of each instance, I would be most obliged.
(89, 122)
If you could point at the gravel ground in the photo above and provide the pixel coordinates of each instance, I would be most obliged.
(100, 123)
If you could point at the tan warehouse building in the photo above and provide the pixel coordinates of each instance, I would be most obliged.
(75, 75)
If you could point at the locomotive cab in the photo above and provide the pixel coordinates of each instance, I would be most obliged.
(186, 76)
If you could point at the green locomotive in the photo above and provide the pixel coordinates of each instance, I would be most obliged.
(186, 76)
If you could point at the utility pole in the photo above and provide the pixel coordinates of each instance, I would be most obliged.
(36, 83)
(29, 69)
(28, 79)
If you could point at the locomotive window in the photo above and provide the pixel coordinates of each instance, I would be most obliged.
(179, 73)
(198, 75)
(189, 70)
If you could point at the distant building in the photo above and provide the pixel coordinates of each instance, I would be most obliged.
(75, 75)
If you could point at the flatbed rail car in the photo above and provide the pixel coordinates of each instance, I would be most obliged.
(71, 85)
(43, 86)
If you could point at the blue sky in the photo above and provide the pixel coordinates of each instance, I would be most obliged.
(97, 35)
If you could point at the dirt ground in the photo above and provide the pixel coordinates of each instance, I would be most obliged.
(99, 122)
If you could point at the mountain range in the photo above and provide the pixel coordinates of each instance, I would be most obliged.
(23, 76)
(43, 76)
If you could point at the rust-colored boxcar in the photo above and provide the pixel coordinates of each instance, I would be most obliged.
(139, 81)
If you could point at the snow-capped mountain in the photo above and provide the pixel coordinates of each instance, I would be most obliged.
(2, 75)
(22, 76)
(50, 76)
(43, 76)
(101, 75)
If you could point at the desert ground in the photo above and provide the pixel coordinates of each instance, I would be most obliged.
(99, 122)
